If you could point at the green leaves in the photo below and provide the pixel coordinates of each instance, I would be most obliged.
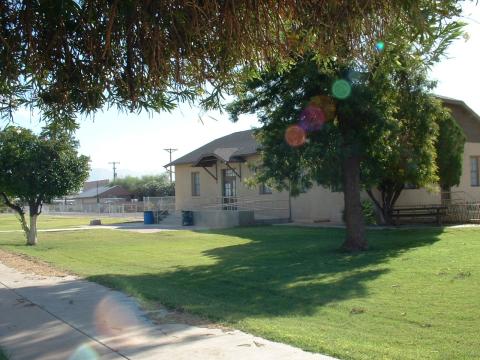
(37, 169)
(148, 185)
(450, 147)
(76, 57)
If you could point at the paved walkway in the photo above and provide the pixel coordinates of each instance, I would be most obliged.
(55, 318)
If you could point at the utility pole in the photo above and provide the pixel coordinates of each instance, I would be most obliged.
(170, 151)
(114, 163)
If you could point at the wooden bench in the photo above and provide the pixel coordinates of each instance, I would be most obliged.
(435, 212)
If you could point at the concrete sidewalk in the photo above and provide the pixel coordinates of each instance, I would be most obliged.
(50, 318)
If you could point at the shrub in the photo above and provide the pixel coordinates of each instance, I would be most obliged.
(368, 210)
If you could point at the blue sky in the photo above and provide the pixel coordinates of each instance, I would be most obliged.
(137, 141)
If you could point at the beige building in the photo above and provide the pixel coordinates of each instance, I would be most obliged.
(214, 178)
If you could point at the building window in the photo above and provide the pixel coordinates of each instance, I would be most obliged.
(195, 184)
(474, 175)
(265, 189)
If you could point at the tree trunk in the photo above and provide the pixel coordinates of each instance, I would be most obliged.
(378, 208)
(32, 233)
(355, 225)
(390, 192)
(20, 212)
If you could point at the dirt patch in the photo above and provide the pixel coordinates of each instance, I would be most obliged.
(29, 265)
(159, 314)
(156, 312)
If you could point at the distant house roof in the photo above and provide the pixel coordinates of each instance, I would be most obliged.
(228, 148)
(93, 184)
(452, 101)
(102, 191)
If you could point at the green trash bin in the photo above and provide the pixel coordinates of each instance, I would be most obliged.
(187, 218)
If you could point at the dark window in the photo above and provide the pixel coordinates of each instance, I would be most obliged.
(229, 183)
(195, 184)
(265, 189)
(474, 174)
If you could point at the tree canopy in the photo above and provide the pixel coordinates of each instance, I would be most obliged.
(345, 129)
(68, 57)
(147, 185)
(450, 146)
(37, 169)
(321, 124)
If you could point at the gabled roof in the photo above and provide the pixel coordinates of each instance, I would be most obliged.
(227, 148)
(452, 101)
(91, 193)
(243, 143)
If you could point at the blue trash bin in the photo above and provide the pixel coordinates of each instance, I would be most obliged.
(148, 218)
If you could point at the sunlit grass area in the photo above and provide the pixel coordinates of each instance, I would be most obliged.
(414, 295)
(10, 221)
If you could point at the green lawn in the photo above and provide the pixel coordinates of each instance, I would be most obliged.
(414, 295)
(10, 221)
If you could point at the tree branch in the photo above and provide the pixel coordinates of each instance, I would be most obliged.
(19, 210)
(11, 205)
(375, 201)
(396, 195)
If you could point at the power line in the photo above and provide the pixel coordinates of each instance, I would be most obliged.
(114, 163)
(170, 151)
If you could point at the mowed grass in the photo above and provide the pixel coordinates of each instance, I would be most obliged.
(414, 295)
(10, 221)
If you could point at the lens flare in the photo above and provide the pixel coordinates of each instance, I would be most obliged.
(113, 319)
(380, 46)
(84, 352)
(341, 89)
(326, 104)
(295, 136)
(312, 118)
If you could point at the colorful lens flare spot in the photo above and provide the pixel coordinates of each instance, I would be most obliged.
(84, 352)
(326, 104)
(295, 136)
(341, 89)
(312, 118)
(380, 46)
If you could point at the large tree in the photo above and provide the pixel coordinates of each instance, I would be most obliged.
(36, 169)
(67, 57)
(350, 123)
(317, 127)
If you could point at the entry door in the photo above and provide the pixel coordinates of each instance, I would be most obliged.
(229, 191)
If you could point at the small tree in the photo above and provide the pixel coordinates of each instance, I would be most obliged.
(147, 185)
(409, 155)
(37, 169)
(424, 145)
(450, 146)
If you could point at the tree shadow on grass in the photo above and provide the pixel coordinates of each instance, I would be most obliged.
(273, 271)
